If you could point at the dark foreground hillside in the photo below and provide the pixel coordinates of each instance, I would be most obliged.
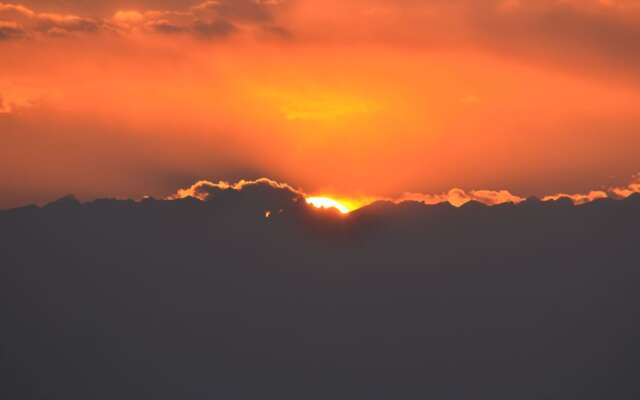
(213, 300)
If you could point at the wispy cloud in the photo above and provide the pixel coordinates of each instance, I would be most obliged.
(209, 19)
(206, 190)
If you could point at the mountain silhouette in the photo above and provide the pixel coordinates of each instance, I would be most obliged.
(254, 294)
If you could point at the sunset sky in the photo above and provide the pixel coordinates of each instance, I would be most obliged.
(353, 99)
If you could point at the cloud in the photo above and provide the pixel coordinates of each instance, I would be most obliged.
(212, 29)
(8, 8)
(626, 191)
(603, 33)
(261, 195)
(619, 192)
(67, 23)
(11, 30)
(238, 10)
(458, 197)
(578, 198)
(164, 26)
(209, 19)
(206, 20)
(32, 22)
(570, 29)
(129, 17)
(582, 35)
(269, 194)
(204, 189)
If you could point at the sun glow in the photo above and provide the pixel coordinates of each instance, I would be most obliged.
(326, 202)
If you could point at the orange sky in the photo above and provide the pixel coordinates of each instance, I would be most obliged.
(351, 98)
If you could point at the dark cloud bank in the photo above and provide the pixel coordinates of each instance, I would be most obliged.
(190, 299)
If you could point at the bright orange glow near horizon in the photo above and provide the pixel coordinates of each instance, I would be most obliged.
(327, 202)
(407, 96)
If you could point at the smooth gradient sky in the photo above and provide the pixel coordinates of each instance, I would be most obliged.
(360, 98)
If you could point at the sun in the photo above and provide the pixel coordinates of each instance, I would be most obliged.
(327, 202)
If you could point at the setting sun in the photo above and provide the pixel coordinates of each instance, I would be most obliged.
(326, 202)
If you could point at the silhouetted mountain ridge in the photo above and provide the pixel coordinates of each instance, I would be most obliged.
(378, 207)
(253, 294)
